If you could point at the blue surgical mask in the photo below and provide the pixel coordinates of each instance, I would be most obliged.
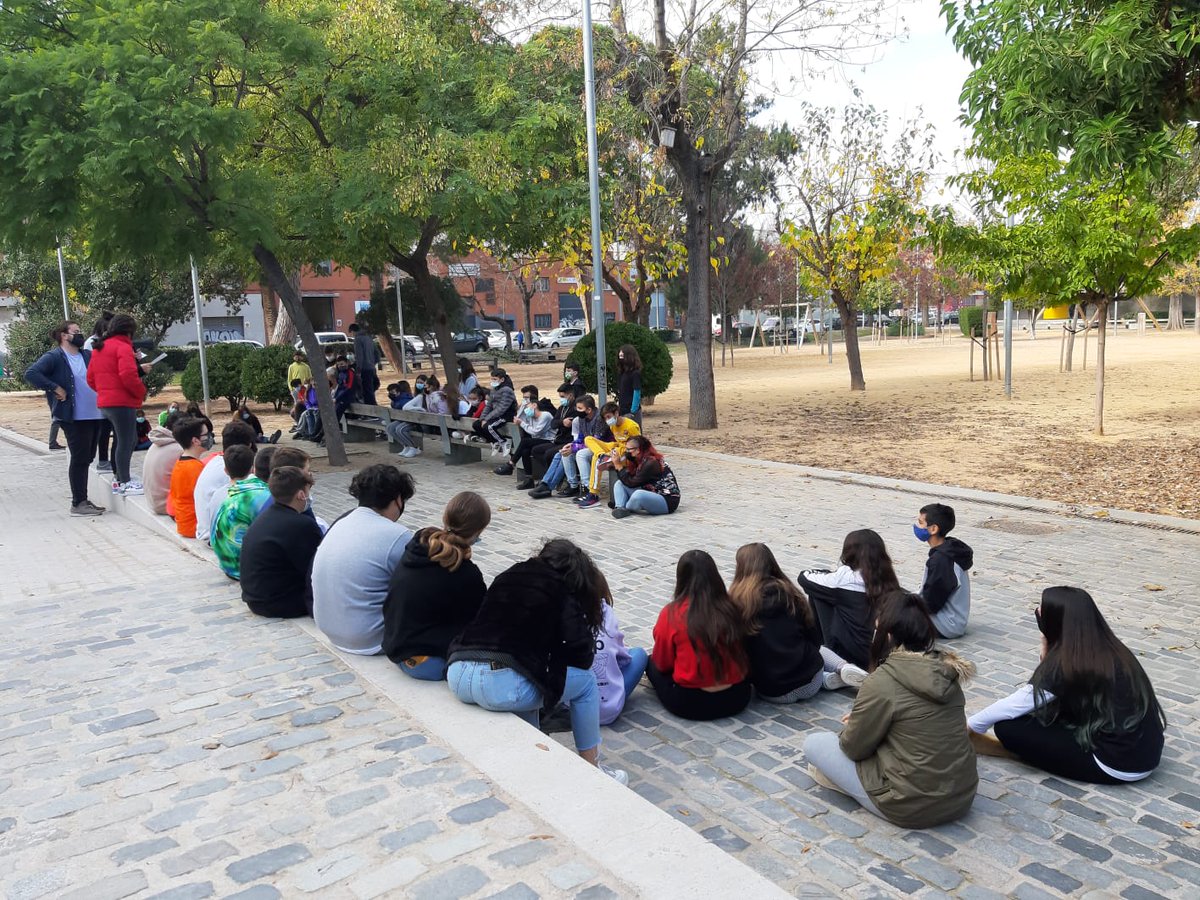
(495, 384)
(529, 410)
(420, 386)
(610, 422)
(922, 534)
(563, 401)
(246, 416)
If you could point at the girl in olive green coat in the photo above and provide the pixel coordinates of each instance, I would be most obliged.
(904, 753)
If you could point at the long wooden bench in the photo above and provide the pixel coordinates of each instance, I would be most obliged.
(364, 423)
(538, 356)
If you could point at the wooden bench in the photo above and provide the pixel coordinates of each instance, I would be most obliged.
(373, 420)
(537, 356)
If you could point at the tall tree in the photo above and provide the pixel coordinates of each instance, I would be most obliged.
(852, 200)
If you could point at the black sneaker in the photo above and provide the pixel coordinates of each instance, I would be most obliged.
(86, 509)
(622, 513)
(56, 446)
(276, 436)
(567, 489)
(540, 492)
(525, 483)
(503, 469)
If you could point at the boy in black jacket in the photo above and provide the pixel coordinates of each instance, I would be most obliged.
(946, 587)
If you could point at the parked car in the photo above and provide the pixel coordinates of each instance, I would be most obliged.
(413, 346)
(950, 317)
(496, 339)
(326, 337)
(246, 341)
(561, 337)
(536, 338)
(473, 341)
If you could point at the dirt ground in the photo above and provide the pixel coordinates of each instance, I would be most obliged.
(922, 418)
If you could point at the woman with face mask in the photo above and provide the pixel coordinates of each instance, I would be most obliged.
(62, 374)
(251, 419)
(407, 434)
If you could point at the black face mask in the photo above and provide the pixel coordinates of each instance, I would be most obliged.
(78, 340)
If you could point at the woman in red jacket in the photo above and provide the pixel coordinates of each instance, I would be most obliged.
(116, 377)
(698, 667)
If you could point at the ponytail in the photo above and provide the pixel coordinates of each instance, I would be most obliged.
(465, 516)
(118, 324)
(447, 549)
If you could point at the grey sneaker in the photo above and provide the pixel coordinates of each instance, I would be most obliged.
(103, 466)
(852, 675)
(620, 776)
(86, 509)
(132, 488)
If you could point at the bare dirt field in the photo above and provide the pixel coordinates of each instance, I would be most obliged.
(921, 417)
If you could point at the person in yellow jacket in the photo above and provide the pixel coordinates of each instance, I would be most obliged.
(606, 451)
(299, 369)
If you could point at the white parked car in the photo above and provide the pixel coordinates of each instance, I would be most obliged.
(246, 341)
(561, 337)
(326, 337)
(496, 339)
(413, 345)
(536, 338)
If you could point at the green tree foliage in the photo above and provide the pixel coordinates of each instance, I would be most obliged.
(657, 365)
(264, 374)
(852, 200)
(28, 338)
(1107, 80)
(225, 363)
(1073, 240)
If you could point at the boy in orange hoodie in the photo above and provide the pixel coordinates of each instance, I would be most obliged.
(195, 438)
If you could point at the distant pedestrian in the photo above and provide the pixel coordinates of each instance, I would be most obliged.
(62, 374)
(366, 358)
(520, 340)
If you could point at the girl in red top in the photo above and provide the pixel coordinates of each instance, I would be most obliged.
(698, 667)
(116, 377)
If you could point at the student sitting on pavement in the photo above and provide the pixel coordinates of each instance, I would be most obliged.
(195, 440)
(1089, 712)
(288, 456)
(904, 754)
(698, 666)
(846, 603)
(491, 426)
(278, 549)
(143, 432)
(160, 460)
(783, 639)
(537, 430)
(247, 496)
(436, 591)
(532, 643)
(606, 451)
(354, 566)
(213, 484)
(550, 453)
(618, 668)
(251, 419)
(645, 483)
(945, 587)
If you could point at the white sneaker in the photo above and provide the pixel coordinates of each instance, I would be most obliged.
(416, 451)
(133, 488)
(620, 776)
(832, 681)
(457, 435)
(852, 675)
(496, 449)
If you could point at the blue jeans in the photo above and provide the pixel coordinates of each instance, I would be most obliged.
(554, 471)
(571, 467)
(506, 690)
(639, 500)
(432, 668)
(632, 673)
(583, 463)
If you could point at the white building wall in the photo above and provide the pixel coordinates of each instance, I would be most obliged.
(221, 324)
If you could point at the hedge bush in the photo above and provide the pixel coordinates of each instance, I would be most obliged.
(971, 317)
(28, 338)
(893, 330)
(264, 375)
(224, 374)
(178, 357)
(657, 365)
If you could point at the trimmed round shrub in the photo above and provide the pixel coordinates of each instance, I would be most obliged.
(656, 358)
(178, 357)
(224, 374)
(971, 317)
(264, 374)
(158, 378)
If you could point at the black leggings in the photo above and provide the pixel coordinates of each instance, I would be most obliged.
(491, 429)
(1052, 748)
(103, 439)
(81, 444)
(695, 704)
(124, 428)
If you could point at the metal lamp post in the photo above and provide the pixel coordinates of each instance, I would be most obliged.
(589, 85)
(62, 278)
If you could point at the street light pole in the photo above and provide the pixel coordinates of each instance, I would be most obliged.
(200, 335)
(62, 278)
(589, 85)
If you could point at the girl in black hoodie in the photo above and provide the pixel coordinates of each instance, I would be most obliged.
(436, 590)
(783, 639)
(531, 645)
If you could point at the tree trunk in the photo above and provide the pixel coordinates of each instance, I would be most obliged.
(1074, 324)
(1175, 313)
(287, 292)
(417, 266)
(697, 333)
(850, 335)
(1102, 311)
(526, 306)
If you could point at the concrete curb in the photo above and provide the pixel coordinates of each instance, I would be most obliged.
(634, 840)
(967, 495)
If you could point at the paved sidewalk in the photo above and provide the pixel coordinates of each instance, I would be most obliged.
(738, 783)
(159, 740)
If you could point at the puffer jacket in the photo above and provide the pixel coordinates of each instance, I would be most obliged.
(114, 374)
(907, 734)
(156, 470)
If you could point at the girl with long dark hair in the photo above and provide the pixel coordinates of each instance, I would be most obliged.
(698, 666)
(532, 643)
(629, 382)
(783, 640)
(847, 602)
(904, 753)
(116, 377)
(645, 483)
(436, 590)
(1089, 712)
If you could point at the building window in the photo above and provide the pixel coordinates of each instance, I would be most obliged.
(543, 285)
(610, 317)
(541, 320)
(490, 298)
(324, 267)
(485, 285)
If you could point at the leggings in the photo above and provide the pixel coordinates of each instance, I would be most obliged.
(103, 440)
(696, 704)
(1052, 748)
(81, 443)
(123, 420)
(823, 750)
(804, 692)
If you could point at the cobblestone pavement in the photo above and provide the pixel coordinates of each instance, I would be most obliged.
(159, 741)
(742, 782)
